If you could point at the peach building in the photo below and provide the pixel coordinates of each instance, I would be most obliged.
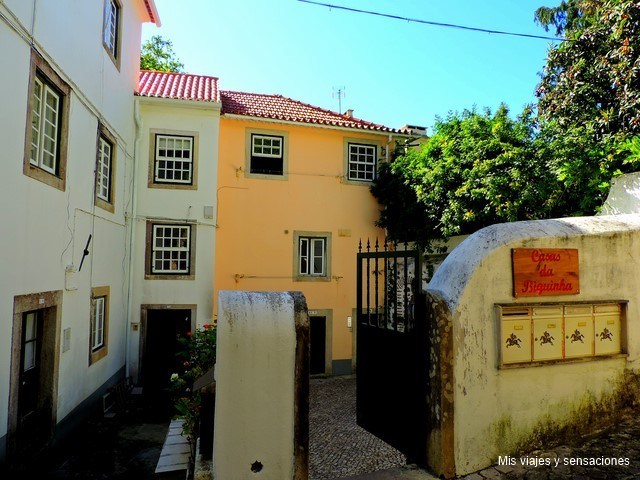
(293, 201)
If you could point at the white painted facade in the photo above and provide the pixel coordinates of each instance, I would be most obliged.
(261, 341)
(624, 195)
(45, 228)
(167, 205)
(497, 409)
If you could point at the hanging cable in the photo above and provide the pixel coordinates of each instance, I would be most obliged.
(435, 24)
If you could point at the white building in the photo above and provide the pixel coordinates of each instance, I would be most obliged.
(69, 141)
(175, 185)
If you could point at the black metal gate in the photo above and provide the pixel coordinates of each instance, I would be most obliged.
(391, 368)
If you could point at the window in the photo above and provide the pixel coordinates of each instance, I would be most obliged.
(98, 336)
(111, 30)
(45, 153)
(266, 154)
(170, 251)
(105, 167)
(362, 162)
(312, 256)
(173, 161)
(45, 126)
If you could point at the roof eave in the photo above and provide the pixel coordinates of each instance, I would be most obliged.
(153, 12)
(238, 116)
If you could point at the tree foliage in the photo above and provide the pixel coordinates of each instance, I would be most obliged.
(476, 169)
(593, 78)
(555, 159)
(157, 55)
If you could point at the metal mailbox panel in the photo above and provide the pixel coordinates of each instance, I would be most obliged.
(607, 334)
(547, 338)
(516, 340)
(548, 311)
(578, 336)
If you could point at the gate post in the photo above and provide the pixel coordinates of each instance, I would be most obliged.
(262, 386)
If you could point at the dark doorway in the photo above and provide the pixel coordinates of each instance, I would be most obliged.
(34, 411)
(318, 341)
(160, 360)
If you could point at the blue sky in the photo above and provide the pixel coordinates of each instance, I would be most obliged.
(392, 71)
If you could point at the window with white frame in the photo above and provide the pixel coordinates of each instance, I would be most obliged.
(171, 249)
(173, 159)
(99, 323)
(362, 162)
(267, 154)
(103, 172)
(312, 253)
(111, 28)
(46, 115)
(45, 155)
(97, 329)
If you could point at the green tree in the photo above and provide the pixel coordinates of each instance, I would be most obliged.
(477, 169)
(592, 79)
(157, 54)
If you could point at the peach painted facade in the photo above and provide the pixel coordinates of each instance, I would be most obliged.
(262, 218)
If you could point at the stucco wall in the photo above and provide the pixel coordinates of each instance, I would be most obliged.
(624, 195)
(498, 410)
(261, 415)
(170, 204)
(46, 229)
(258, 217)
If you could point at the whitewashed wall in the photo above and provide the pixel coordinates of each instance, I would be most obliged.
(44, 229)
(495, 410)
(180, 205)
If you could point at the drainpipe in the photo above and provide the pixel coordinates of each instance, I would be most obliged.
(132, 236)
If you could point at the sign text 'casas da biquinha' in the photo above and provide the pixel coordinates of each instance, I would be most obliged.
(545, 271)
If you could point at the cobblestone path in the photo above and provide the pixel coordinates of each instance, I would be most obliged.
(337, 446)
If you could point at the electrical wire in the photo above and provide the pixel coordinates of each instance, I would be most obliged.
(435, 24)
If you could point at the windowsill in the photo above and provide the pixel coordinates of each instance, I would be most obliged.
(561, 361)
(311, 278)
(347, 181)
(98, 355)
(109, 207)
(43, 176)
(266, 176)
(156, 276)
(172, 186)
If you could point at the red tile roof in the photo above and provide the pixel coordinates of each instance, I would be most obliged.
(181, 86)
(277, 107)
(274, 107)
(152, 11)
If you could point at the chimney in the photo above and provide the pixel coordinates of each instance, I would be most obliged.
(415, 130)
(349, 113)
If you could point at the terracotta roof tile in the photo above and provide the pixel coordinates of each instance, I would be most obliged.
(152, 11)
(277, 107)
(181, 86)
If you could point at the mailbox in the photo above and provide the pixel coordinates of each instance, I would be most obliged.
(607, 329)
(516, 339)
(547, 332)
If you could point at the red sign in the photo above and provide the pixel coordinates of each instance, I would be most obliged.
(545, 271)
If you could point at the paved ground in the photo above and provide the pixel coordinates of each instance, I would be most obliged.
(129, 448)
(337, 446)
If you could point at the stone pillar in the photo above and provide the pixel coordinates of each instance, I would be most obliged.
(262, 382)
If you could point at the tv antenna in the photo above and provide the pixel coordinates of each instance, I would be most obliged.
(340, 93)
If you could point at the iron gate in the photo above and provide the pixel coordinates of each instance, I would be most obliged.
(391, 368)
